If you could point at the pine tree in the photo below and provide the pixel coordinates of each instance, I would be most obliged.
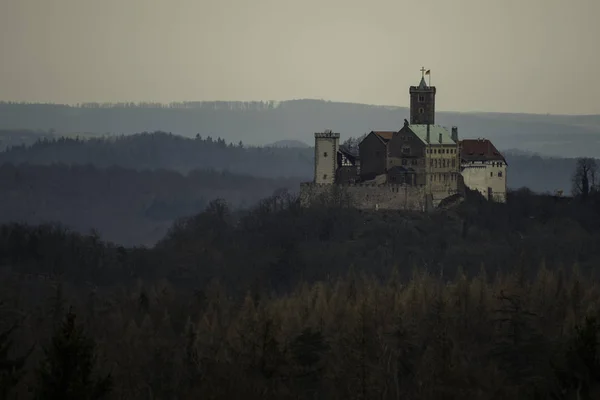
(67, 370)
(11, 370)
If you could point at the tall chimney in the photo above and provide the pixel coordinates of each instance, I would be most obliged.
(455, 133)
(428, 141)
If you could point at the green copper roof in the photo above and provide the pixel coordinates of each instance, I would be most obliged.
(434, 133)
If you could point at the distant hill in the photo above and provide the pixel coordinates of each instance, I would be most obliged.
(125, 206)
(261, 123)
(161, 150)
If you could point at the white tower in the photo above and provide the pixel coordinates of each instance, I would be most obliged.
(326, 147)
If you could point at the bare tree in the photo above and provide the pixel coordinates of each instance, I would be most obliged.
(584, 177)
(352, 143)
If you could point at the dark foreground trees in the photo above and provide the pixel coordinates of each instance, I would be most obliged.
(67, 371)
(11, 366)
(485, 301)
(356, 337)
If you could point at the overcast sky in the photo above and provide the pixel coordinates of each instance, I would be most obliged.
(539, 56)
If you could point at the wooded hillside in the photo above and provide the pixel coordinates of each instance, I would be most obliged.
(486, 301)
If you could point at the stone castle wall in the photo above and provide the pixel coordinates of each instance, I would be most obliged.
(365, 196)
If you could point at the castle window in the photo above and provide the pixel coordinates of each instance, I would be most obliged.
(325, 154)
(499, 174)
(325, 176)
(421, 110)
(406, 150)
(491, 174)
(404, 161)
(414, 162)
(421, 98)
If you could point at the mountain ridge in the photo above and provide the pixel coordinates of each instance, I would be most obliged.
(262, 123)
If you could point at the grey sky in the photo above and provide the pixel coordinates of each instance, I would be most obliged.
(536, 56)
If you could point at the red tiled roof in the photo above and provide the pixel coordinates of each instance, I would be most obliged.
(480, 150)
(385, 135)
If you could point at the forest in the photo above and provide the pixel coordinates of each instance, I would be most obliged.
(482, 301)
(162, 150)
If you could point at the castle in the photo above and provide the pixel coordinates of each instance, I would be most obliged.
(416, 167)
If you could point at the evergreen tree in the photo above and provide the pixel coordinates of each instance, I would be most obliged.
(11, 370)
(67, 370)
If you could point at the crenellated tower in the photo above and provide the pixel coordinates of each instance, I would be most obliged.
(422, 102)
(327, 145)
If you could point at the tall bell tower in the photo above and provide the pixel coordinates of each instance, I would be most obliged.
(422, 102)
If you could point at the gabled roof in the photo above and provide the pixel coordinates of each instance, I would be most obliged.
(385, 136)
(420, 130)
(479, 150)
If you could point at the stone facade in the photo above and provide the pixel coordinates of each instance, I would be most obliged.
(365, 196)
(422, 104)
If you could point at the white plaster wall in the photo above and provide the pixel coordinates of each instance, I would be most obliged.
(325, 165)
(480, 176)
(475, 177)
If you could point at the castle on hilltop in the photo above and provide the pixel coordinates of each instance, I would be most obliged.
(418, 167)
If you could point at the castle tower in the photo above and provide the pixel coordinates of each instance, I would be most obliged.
(422, 102)
(326, 147)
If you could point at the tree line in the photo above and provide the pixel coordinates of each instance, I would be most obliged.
(162, 150)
